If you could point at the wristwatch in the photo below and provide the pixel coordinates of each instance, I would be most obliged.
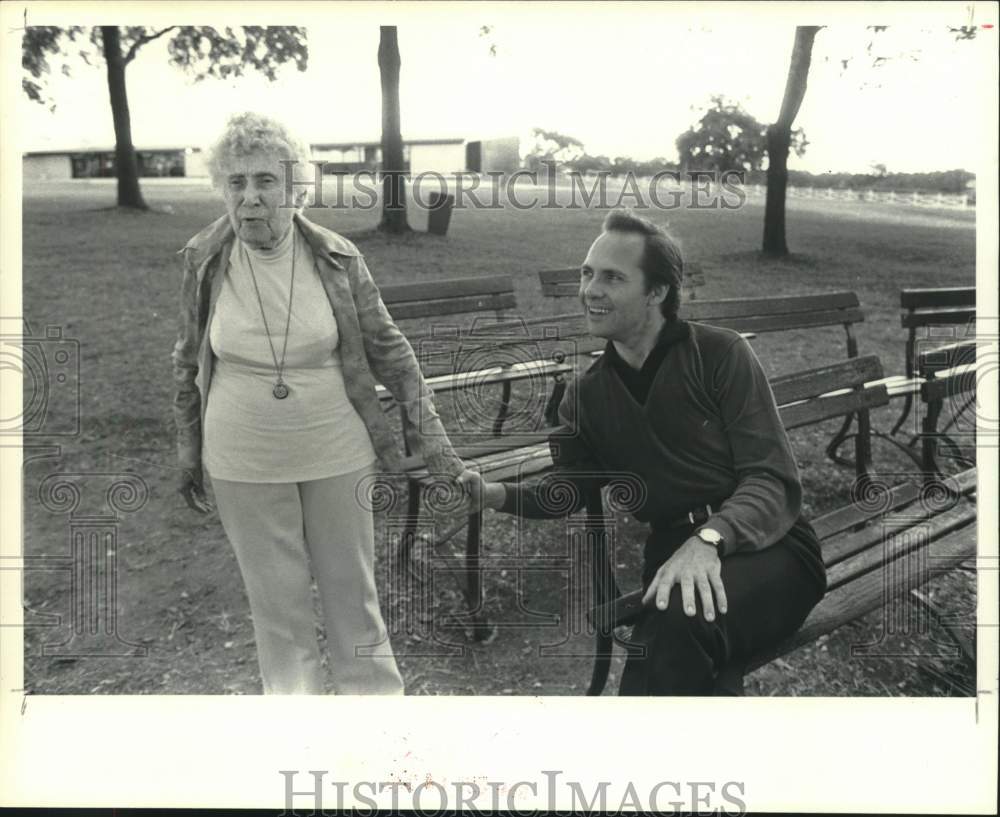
(711, 537)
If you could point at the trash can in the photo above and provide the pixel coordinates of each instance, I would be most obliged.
(439, 216)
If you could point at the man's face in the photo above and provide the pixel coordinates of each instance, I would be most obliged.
(613, 288)
(254, 188)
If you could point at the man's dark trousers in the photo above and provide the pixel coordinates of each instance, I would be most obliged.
(770, 592)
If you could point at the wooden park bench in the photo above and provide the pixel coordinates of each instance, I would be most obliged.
(887, 541)
(467, 342)
(755, 316)
(550, 348)
(923, 310)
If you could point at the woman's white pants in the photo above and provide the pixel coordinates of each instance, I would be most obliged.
(283, 535)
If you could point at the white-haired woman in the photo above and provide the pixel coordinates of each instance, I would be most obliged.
(282, 337)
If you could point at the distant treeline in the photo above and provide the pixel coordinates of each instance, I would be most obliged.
(942, 181)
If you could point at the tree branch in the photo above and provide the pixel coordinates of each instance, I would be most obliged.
(142, 41)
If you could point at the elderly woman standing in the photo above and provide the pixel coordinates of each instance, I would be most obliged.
(283, 335)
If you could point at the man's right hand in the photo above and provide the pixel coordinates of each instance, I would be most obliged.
(481, 494)
(193, 490)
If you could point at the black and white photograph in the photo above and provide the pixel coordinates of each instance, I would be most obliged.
(435, 367)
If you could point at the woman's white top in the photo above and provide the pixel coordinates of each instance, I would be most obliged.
(250, 436)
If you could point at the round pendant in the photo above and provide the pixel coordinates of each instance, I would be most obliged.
(280, 391)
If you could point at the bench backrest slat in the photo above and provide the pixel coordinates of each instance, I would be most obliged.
(454, 296)
(941, 388)
(737, 307)
(825, 408)
(560, 283)
(451, 306)
(932, 361)
(948, 316)
(779, 323)
(447, 288)
(929, 298)
(809, 397)
(791, 388)
(857, 513)
(747, 315)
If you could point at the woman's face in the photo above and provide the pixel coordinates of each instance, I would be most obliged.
(254, 189)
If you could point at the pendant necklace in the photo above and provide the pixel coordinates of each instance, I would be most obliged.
(280, 390)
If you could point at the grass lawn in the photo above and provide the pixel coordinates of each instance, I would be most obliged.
(110, 279)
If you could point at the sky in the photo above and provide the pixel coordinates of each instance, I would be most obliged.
(625, 80)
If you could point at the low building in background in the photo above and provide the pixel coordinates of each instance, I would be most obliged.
(96, 163)
(445, 156)
(501, 155)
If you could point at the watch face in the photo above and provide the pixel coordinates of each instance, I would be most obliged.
(710, 536)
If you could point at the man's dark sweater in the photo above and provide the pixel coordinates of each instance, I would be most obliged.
(697, 424)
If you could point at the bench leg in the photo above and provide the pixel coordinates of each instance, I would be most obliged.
(604, 649)
(551, 413)
(481, 629)
(911, 345)
(907, 406)
(408, 536)
(504, 409)
(929, 441)
(838, 440)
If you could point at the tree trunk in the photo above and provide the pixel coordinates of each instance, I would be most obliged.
(393, 179)
(779, 139)
(126, 164)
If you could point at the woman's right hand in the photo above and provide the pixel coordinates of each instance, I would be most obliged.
(193, 490)
(481, 494)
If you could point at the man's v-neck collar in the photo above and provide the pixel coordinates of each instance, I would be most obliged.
(639, 382)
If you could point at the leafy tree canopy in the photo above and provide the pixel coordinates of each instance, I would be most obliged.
(728, 138)
(201, 51)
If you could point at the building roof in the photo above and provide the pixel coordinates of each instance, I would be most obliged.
(102, 149)
(378, 143)
(454, 140)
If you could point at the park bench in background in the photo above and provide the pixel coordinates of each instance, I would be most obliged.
(946, 373)
(887, 541)
(926, 308)
(755, 316)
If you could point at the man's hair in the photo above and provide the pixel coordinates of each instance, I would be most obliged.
(662, 262)
(247, 133)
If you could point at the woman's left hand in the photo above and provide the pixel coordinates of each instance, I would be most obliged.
(193, 490)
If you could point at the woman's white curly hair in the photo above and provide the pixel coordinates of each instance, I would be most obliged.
(248, 133)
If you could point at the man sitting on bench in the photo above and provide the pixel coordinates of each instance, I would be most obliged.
(729, 562)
